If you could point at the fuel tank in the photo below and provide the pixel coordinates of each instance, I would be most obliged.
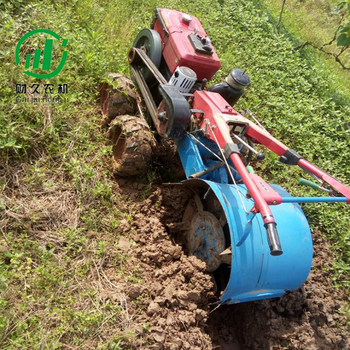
(185, 43)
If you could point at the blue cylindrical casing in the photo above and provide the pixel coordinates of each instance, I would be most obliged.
(255, 274)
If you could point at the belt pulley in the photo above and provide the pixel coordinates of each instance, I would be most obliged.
(172, 117)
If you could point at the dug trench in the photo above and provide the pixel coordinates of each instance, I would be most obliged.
(175, 293)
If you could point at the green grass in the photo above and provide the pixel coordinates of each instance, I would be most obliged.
(313, 21)
(59, 215)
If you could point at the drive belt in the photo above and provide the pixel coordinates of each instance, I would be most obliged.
(138, 59)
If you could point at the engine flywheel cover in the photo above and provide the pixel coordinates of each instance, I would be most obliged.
(150, 41)
(206, 239)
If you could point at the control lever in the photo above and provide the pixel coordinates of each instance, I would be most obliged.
(311, 184)
(259, 156)
(260, 206)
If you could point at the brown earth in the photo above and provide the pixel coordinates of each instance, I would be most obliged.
(176, 293)
(164, 296)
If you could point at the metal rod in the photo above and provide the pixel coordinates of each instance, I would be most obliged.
(261, 205)
(209, 150)
(326, 178)
(227, 166)
(141, 113)
(313, 199)
(256, 119)
(208, 170)
(259, 156)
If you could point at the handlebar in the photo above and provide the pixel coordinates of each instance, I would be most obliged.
(273, 239)
(261, 206)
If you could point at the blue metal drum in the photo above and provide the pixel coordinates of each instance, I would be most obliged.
(255, 274)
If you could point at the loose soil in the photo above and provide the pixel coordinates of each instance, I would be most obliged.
(176, 292)
(174, 295)
(165, 297)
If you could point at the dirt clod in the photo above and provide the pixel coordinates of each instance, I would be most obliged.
(174, 287)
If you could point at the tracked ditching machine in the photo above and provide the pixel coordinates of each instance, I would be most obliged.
(253, 236)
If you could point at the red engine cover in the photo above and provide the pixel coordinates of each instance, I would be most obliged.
(177, 47)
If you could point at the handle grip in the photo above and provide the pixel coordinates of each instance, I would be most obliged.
(273, 239)
(308, 183)
(250, 169)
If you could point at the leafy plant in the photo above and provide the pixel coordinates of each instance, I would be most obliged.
(343, 31)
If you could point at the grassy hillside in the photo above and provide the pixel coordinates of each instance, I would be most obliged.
(58, 213)
(313, 21)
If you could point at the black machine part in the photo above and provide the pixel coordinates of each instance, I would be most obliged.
(233, 88)
(149, 41)
(201, 44)
(172, 117)
(238, 79)
(178, 116)
(290, 157)
(273, 239)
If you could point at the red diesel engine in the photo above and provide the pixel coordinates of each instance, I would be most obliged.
(185, 43)
(181, 50)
